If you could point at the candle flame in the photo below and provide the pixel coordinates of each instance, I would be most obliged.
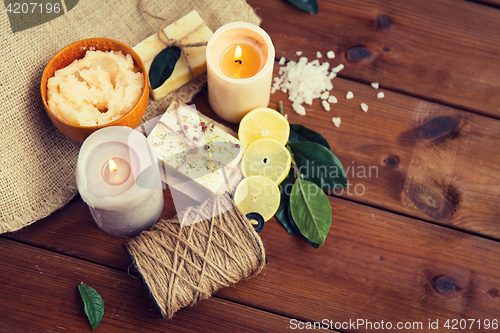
(238, 55)
(112, 165)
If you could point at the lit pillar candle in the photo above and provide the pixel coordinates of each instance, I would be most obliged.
(118, 177)
(240, 60)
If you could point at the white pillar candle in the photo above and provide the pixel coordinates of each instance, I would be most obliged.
(118, 177)
(234, 93)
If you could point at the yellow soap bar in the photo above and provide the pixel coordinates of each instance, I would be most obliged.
(187, 30)
(194, 152)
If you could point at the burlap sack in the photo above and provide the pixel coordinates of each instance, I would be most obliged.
(37, 165)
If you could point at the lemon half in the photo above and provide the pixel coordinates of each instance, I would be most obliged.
(266, 157)
(258, 194)
(263, 123)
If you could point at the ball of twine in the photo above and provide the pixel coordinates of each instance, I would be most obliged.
(181, 266)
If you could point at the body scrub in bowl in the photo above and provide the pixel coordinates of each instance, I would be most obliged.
(95, 90)
(94, 83)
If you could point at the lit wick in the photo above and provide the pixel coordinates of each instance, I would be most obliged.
(115, 171)
(238, 58)
(112, 165)
(114, 176)
(238, 55)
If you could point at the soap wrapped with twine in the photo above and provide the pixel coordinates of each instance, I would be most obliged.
(183, 265)
(201, 152)
(171, 42)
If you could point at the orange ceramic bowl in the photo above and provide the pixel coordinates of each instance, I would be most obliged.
(75, 51)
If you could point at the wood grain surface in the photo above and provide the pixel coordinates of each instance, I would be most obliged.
(445, 51)
(414, 157)
(493, 3)
(416, 240)
(419, 269)
(36, 276)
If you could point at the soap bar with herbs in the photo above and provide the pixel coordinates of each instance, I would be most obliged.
(198, 158)
(187, 30)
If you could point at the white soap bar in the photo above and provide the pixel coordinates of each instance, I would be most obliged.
(192, 148)
(181, 30)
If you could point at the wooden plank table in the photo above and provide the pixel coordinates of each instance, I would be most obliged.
(416, 247)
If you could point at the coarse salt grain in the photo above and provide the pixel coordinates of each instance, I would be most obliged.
(380, 95)
(336, 121)
(364, 107)
(299, 109)
(325, 95)
(326, 106)
(330, 54)
(338, 68)
(282, 61)
(299, 53)
(375, 85)
(349, 95)
(332, 99)
(318, 55)
(304, 81)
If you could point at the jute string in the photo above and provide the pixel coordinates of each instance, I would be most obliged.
(181, 266)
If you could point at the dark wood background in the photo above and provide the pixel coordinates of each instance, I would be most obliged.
(422, 241)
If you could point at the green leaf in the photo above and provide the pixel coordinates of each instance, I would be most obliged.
(163, 65)
(299, 133)
(283, 217)
(282, 214)
(319, 165)
(311, 211)
(297, 231)
(93, 304)
(310, 6)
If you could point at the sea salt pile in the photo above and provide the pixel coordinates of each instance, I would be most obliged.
(304, 81)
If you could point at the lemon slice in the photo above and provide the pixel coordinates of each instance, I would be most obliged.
(257, 194)
(263, 123)
(266, 157)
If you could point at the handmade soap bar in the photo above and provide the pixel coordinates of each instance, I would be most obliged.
(193, 149)
(187, 30)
